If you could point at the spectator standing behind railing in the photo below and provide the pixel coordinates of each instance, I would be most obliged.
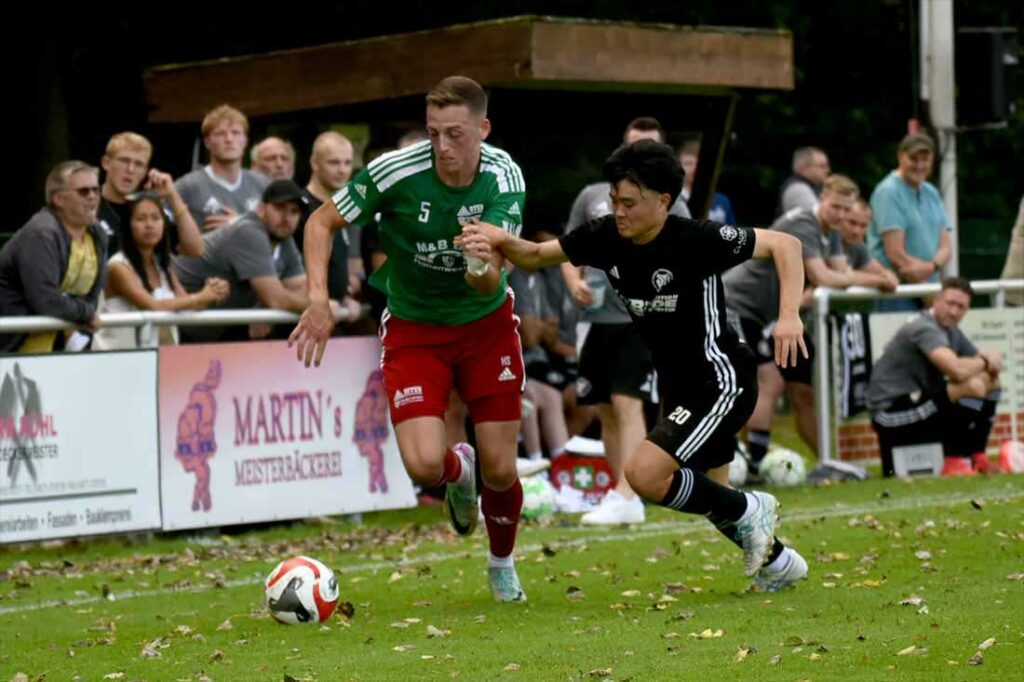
(126, 167)
(274, 158)
(258, 258)
(867, 272)
(803, 187)
(1014, 267)
(909, 233)
(140, 278)
(217, 193)
(54, 264)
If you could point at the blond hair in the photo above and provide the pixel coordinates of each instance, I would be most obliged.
(225, 112)
(841, 185)
(128, 140)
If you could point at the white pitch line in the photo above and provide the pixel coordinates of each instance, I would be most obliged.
(661, 528)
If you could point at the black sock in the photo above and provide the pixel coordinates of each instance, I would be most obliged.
(728, 529)
(694, 493)
(757, 445)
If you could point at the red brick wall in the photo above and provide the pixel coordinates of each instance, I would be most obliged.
(858, 440)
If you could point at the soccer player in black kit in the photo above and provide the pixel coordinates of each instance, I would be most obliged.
(667, 270)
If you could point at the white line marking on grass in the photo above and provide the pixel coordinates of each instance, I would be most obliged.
(589, 535)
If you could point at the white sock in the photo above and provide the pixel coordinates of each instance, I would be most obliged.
(535, 456)
(465, 471)
(780, 561)
(752, 506)
(500, 561)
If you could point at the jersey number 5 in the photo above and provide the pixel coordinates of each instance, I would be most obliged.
(424, 211)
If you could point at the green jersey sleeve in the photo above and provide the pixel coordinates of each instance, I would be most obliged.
(360, 197)
(505, 210)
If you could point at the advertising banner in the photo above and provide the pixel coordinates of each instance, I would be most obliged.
(249, 434)
(78, 445)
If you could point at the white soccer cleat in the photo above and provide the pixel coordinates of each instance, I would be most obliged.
(460, 498)
(793, 569)
(505, 585)
(615, 509)
(757, 533)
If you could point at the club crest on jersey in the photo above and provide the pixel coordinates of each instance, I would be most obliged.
(661, 278)
(728, 232)
(470, 212)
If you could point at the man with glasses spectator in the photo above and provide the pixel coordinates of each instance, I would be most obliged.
(54, 264)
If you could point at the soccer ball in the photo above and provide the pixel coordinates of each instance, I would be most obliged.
(739, 467)
(538, 497)
(301, 590)
(783, 468)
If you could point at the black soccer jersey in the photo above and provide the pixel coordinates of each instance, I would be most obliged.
(672, 289)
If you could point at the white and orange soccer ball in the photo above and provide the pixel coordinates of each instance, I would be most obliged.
(301, 590)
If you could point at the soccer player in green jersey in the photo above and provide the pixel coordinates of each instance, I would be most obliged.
(449, 321)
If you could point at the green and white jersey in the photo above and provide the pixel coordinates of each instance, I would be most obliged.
(419, 220)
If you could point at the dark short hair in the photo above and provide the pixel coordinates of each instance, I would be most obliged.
(958, 283)
(646, 163)
(459, 90)
(645, 124)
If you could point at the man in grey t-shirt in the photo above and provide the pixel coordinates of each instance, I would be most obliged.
(867, 271)
(752, 299)
(932, 384)
(615, 368)
(220, 191)
(256, 255)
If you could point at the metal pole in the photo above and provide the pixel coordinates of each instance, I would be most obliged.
(942, 109)
(822, 388)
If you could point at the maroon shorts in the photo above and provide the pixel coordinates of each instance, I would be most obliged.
(482, 360)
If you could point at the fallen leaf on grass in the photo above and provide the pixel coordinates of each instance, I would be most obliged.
(977, 505)
(113, 676)
(400, 624)
(987, 644)
(923, 555)
(670, 635)
(976, 659)
(436, 632)
(1015, 576)
(742, 652)
(912, 651)
(402, 648)
(775, 660)
(707, 634)
(512, 667)
(226, 625)
(675, 588)
(631, 593)
(19, 677)
(912, 601)
(217, 655)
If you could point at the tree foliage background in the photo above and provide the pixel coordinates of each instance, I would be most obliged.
(77, 75)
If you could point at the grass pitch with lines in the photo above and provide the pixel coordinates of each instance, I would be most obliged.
(921, 580)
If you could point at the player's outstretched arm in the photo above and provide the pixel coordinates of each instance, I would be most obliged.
(523, 254)
(785, 250)
(317, 322)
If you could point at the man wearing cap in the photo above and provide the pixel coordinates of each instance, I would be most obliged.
(909, 232)
(257, 256)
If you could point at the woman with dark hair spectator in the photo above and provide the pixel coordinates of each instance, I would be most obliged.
(140, 278)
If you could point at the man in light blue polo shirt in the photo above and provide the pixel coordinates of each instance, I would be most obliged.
(909, 233)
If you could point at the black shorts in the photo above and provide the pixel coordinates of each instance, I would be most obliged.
(700, 422)
(556, 373)
(614, 360)
(759, 338)
(962, 428)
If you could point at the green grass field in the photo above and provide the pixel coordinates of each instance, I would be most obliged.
(921, 580)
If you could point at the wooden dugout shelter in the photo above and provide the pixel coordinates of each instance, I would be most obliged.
(570, 68)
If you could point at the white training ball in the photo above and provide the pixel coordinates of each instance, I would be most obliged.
(538, 497)
(739, 467)
(301, 590)
(783, 468)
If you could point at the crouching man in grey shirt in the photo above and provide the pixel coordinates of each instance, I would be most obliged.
(932, 384)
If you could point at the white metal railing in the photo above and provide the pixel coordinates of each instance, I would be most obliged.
(823, 296)
(162, 318)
